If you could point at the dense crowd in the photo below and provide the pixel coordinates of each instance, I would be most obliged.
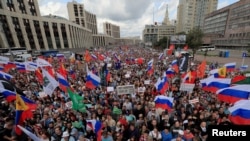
(131, 117)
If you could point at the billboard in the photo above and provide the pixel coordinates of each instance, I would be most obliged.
(178, 39)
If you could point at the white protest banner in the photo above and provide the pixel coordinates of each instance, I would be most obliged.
(187, 87)
(69, 104)
(126, 89)
(195, 100)
(127, 75)
(247, 74)
(141, 90)
(147, 82)
(110, 89)
(109, 65)
(42, 94)
(4, 60)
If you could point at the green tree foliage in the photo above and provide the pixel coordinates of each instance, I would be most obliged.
(194, 39)
(181, 33)
(162, 43)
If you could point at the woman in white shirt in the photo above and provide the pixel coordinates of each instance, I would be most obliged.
(155, 134)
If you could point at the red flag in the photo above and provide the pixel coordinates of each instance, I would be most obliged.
(39, 75)
(201, 69)
(140, 61)
(171, 47)
(238, 78)
(185, 47)
(87, 56)
(170, 50)
(62, 71)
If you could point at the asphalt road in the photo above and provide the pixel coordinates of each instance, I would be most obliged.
(234, 56)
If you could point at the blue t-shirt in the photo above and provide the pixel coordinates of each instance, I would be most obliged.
(108, 138)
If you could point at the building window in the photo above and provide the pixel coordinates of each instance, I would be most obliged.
(18, 32)
(32, 7)
(10, 5)
(56, 35)
(21, 6)
(39, 34)
(6, 30)
(64, 36)
(29, 33)
(47, 34)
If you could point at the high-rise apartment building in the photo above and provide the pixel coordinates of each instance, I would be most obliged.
(229, 26)
(79, 15)
(21, 25)
(191, 13)
(111, 30)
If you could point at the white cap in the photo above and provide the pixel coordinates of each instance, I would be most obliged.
(65, 134)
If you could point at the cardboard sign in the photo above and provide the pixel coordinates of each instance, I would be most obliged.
(195, 100)
(127, 75)
(141, 90)
(110, 89)
(187, 87)
(147, 82)
(42, 94)
(126, 89)
(109, 65)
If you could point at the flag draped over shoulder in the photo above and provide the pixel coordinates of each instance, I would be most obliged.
(77, 101)
(24, 109)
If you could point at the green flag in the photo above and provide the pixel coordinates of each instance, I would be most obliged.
(77, 100)
(245, 81)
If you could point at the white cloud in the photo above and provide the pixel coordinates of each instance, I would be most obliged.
(130, 15)
(55, 7)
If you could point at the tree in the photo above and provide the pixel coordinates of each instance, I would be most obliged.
(162, 43)
(194, 39)
(181, 33)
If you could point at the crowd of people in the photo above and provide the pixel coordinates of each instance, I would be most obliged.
(128, 117)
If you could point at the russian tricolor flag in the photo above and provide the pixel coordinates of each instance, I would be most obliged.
(244, 67)
(234, 93)
(63, 83)
(5, 75)
(175, 66)
(170, 73)
(8, 95)
(164, 102)
(150, 69)
(162, 85)
(60, 56)
(20, 67)
(161, 56)
(92, 81)
(94, 57)
(96, 126)
(240, 113)
(230, 66)
(214, 84)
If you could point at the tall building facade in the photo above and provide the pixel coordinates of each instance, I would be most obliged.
(230, 26)
(166, 20)
(21, 25)
(111, 30)
(79, 15)
(191, 13)
(153, 33)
